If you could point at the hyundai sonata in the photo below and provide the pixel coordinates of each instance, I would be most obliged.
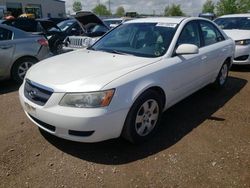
(121, 85)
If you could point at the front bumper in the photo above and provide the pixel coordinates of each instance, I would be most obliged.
(76, 124)
(242, 55)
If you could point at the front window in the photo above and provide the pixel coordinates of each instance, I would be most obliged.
(139, 39)
(242, 23)
(190, 35)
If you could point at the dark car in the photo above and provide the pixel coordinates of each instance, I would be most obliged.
(83, 24)
(43, 27)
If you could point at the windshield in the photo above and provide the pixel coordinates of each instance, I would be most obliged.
(139, 39)
(64, 25)
(242, 23)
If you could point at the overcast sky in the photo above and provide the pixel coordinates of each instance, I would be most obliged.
(190, 7)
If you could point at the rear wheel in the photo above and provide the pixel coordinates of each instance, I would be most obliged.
(143, 117)
(222, 76)
(21, 67)
(57, 47)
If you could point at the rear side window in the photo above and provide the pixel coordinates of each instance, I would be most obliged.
(5, 34)
(210, 33)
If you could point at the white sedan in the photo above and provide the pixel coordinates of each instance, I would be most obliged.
(121, 85)
(237, 26)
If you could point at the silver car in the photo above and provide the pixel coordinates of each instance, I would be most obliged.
(19, 50)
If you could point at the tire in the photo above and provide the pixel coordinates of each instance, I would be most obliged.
(143, 118)
(21, 67)
(222, 76)
(57, 48)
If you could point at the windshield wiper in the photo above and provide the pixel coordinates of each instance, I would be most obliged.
(115, 52)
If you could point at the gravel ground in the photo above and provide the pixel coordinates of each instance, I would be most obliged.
(204, 141)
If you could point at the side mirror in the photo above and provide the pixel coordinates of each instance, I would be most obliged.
(187, 49)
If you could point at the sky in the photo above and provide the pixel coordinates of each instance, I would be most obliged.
(190, 7)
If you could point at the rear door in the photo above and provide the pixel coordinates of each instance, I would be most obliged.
(7, 48)
(215, 49)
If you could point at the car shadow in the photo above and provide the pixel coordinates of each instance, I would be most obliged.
(240, 68)
(176, 122)
(7, 86)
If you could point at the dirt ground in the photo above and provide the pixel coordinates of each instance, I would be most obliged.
(204, 141)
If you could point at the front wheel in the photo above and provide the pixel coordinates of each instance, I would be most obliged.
(143, 117)
(222, 76)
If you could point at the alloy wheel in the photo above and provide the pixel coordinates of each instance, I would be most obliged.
(147, 117)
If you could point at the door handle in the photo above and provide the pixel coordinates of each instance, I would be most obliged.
(203, 58)
(224, 49)
(6, 47)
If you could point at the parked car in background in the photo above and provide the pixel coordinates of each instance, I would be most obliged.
(114, 22)
(84, 28)
(237, 26)
(208, 15)
(44, 27)
(19, 50)
(123, 83)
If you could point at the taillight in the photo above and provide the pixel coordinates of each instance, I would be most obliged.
(43, 42)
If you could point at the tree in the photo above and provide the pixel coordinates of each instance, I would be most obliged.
(208, 7)
(77, 6)
(173, 10)
(244, 6)
(120, 11)
(166, 11)
(101, 10)
(227, 7)
(232, 6)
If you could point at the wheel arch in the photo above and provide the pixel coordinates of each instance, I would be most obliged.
(19, 59)
(139, 90)
(228, 61)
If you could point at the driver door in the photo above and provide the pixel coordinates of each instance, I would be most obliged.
(184, 75)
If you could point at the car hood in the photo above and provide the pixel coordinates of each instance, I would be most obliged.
(85, 17)
(237, 34)
(84, 70)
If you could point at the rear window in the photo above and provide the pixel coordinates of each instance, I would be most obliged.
(25, 25)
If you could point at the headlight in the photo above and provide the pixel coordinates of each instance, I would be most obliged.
(242, 42)
(87, 100)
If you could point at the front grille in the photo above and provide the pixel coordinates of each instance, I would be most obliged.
(242, 58)
(43, 124)
(37, 93)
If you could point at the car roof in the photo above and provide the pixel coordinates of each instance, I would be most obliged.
(13, 29)
(235, 15)
(18, 32)
(175, 20)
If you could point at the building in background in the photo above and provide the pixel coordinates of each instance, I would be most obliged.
(40, 8)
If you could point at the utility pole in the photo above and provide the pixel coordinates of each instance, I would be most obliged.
(109, 2)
